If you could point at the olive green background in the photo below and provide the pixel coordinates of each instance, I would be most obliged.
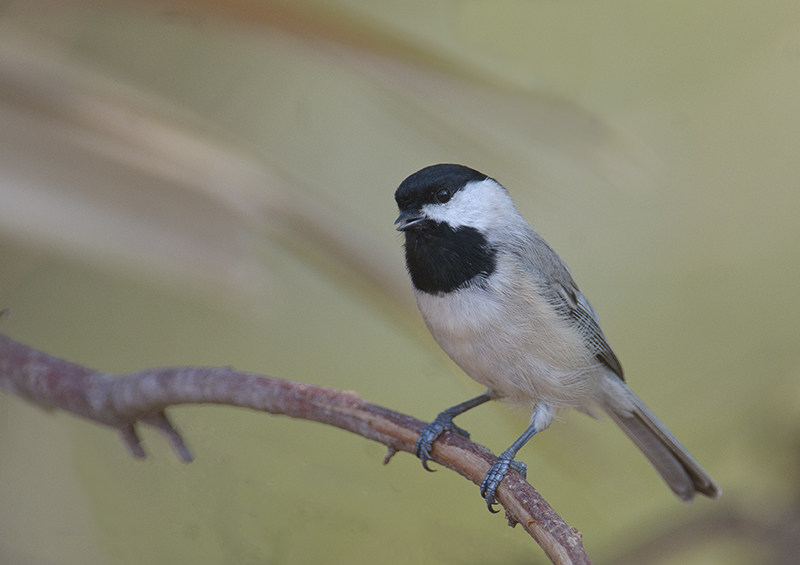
(211, 184)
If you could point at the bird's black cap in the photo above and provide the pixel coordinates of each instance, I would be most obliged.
(421, 187)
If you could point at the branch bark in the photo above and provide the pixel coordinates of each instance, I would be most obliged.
(121, 402)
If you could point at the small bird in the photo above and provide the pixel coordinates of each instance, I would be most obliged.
(503, 305)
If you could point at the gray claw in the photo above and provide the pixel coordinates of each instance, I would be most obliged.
(430, 434)
(496, 474)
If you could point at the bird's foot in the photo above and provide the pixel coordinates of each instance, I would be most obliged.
(441, 424)
(496, 474)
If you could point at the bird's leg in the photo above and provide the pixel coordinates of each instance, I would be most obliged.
(541, 418)
(444, 423)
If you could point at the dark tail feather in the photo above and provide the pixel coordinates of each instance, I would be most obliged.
(675, 465)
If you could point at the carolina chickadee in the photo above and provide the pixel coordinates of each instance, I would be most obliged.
(502, 304)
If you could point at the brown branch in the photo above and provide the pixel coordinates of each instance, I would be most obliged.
(123, 401)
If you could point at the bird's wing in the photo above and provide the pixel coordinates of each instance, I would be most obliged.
(583, 315)
(558, 285)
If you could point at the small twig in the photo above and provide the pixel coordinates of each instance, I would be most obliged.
(124, 401)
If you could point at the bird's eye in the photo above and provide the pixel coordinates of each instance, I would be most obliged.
(443, 195)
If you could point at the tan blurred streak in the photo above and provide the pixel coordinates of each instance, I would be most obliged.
(98, 171)
(183, 199)
(455, 85)
(321, 23)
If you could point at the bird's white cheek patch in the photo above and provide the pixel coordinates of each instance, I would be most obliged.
(477, 205)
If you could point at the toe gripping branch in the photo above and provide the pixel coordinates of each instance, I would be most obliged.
(444, 423)
(499, 469)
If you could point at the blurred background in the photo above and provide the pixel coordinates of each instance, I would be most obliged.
(211, 183)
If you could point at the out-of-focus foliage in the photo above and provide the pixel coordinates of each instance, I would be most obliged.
(211, 183)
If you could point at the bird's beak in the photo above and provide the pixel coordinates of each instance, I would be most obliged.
(408, 219)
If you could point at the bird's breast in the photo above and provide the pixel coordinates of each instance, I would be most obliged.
(509, 339)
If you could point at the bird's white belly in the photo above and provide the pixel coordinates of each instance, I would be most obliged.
(525, 354)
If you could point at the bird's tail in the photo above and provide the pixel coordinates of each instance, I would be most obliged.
(672, 461)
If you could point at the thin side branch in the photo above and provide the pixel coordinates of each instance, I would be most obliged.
(123, 401)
